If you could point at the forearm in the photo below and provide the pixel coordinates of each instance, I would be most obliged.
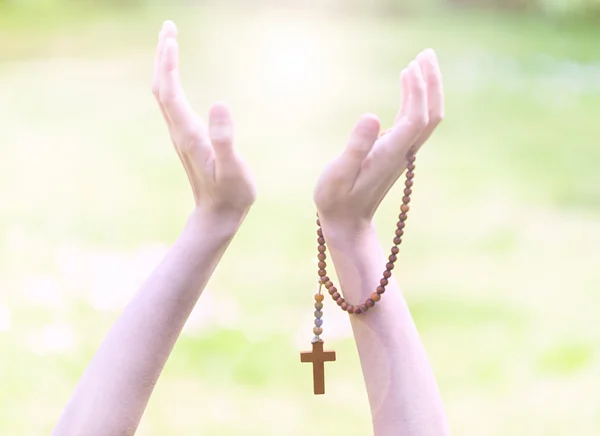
(400, 383)
(114, 391)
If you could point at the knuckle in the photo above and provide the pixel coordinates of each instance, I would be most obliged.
(420, 86)
(429, 71)
(221, 136)
(191, 139)
(156, 91)
(419, 120)
(166, 98)
(382, 154)
(436, 118)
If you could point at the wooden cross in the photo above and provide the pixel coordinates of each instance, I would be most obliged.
(318, 357)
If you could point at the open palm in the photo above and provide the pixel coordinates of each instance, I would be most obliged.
(220, 179)
(351, 188)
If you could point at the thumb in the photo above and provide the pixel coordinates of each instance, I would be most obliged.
(221, 131)
(361, 142)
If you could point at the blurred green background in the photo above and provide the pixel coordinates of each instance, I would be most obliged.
(500, 263)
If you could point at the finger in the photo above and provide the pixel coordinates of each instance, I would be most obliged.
(360, 143)
(417, 112)
(157, 60)
(221, 132)
(168, 29)
(390, 151)
(429, 65)
(157, 75)
(171, 94)
(404, 83)
(347, 166)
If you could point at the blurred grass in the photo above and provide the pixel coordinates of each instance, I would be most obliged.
(500, 261)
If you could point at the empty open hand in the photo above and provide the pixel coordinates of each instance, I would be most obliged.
(220, 179)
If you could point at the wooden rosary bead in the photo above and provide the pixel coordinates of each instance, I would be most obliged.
(322, 265)
(397, 240)
(402, 216)
(406, 199)
(387, 274)
(320, 240)
(319, 297)
(411, 167)
(370, 303)
(395, 250)
(410, 175)
(383, 282)
(389, 266)
(340, 301)
(380, 290)
(357, 310)
(320, 232)
(409, 183)
(363, 308)
(344, 306)
(321, 249)
(322, 256)
(392, 258)
(400, 224)
(399, 232)
(350, 309)
(322, 273)
(376, 297)
(407, 191)
(336, 295)
(328, 283)
(411, 157)
(404, 208)
(332, 290)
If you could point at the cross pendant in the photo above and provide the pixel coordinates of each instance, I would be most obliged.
(318, 357)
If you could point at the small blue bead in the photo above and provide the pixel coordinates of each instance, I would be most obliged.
(318, 322)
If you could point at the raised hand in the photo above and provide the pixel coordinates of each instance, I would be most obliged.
(221, 181)
(114, 391)
(351, 188)
(401, 385)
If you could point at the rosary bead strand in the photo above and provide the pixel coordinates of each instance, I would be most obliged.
(375, 297)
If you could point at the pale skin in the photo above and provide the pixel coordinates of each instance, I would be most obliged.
(402, 390)
(113, 393)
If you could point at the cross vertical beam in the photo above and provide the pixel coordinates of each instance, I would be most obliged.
(318, 357)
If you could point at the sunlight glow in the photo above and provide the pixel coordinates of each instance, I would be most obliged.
(292, 56)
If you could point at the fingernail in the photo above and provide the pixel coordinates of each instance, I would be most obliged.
(169, 25)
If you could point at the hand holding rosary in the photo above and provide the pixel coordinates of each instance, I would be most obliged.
(318, 356)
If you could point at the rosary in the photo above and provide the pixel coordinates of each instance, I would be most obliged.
(318, 356)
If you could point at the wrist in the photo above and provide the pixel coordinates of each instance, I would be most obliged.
(348, 235)
(214, 224)
(357, 256)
